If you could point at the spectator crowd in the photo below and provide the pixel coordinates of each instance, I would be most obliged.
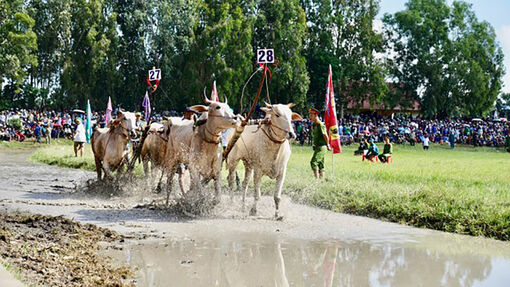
(43, 126)
(403, 129)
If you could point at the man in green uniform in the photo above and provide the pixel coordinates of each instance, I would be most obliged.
(387, 150)
(320, 143)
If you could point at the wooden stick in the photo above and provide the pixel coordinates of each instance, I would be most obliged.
(240, 130)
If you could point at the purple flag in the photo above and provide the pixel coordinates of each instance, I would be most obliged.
(147, 105)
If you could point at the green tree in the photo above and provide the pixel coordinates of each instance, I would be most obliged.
(52, 27)
(445, 57)
(172, 38)
(342, 34)
(281, 25)
(17, 43)
(221, 50)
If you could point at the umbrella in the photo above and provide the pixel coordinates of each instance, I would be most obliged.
(476, 120)
(77, 111)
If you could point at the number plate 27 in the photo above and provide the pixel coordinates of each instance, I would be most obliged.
(155, 75)
(265, 56)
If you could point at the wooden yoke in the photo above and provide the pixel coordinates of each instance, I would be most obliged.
(240, 130)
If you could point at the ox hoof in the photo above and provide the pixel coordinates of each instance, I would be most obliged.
(253, 211)
(215, 201)
(158, 189)
(278, 217)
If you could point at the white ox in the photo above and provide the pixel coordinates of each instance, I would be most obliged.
(264, 150)
(109, 144)
(199, 148)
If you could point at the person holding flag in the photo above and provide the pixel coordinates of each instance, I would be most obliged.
(320, 142)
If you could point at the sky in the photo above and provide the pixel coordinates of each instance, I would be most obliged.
(496, 12)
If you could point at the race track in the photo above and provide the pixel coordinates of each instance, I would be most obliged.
(311, 247)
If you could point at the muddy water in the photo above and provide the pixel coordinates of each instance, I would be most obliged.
(311, 247)
(272, 260)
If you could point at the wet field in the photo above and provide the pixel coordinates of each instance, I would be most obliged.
(311, 247)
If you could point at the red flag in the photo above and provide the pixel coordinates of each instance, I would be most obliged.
(330, 116)
(214, 93)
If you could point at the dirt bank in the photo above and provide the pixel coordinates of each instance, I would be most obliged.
(55, 251)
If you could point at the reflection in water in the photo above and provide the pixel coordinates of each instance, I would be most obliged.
(263, 261)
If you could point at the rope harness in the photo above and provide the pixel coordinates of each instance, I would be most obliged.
(203, 135)
(269, 132)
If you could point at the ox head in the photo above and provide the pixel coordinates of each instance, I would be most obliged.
(127, 120)
(282, 116)
(219, 114)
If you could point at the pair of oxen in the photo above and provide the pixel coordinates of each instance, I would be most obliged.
(264, 149)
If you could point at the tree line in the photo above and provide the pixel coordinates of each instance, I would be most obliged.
(59, 53)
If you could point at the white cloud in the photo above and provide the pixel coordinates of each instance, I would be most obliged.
(503, 35)
(506, 79)
(377, 25)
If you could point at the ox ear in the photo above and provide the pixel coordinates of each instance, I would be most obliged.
(291, 105)
(199, 108)
(266, 110)
(296, 117)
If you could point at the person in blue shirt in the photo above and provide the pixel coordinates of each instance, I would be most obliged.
(37, 132)
(373, 151)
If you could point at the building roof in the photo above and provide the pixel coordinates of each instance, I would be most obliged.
(366, 105)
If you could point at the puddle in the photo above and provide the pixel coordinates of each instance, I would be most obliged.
(261, 260)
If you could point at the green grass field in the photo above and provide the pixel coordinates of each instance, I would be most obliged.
(465, 191)
(62, 154)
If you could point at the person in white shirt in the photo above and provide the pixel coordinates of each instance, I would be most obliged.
(79, 138)
(426, 142)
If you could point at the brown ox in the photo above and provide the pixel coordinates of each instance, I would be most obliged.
(199, 148)
(264, 150)
(109, 144)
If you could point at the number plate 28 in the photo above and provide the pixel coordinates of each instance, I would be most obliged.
(265, 56)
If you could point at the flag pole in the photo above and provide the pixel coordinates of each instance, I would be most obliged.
(332, 166)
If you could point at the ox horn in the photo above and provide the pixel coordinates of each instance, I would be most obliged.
(267, 105)
(204, 97)
(291, 105)
(226, 100)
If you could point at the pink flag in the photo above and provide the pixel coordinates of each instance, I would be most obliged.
(214, 93)
(330, 116)
(108, 115)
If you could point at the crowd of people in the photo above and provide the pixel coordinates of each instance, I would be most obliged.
(18, 125)
(43, 126)
(408, 130)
